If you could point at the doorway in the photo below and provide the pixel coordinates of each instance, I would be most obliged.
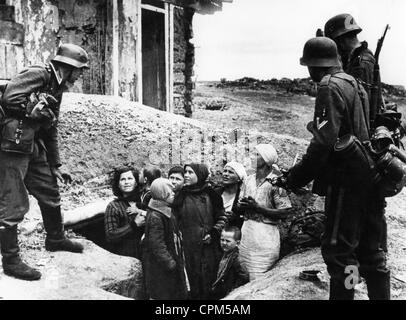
(153, 59)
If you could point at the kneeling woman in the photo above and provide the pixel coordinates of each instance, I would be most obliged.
(163, 260)
(123, 221)
(199, 210)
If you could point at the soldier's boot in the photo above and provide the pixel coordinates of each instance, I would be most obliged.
(55, 239)
(378, 284)
(339, 292)
(12, 264)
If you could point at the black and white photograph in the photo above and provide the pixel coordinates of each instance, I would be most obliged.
(203, 153)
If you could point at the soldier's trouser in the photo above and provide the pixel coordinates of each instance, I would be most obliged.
(21, 173)
(359, 242)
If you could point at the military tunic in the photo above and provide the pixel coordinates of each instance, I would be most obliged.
(360, 65)
(339, 110)
(20, 173)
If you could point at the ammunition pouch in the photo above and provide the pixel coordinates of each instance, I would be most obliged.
(17, 135)
(354, 166)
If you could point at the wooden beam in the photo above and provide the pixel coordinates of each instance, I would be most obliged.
(171, 57)
(139, 53)
(152, 8)
(115, 51)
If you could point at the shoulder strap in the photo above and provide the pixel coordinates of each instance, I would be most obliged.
(326, 80)
(358, 88)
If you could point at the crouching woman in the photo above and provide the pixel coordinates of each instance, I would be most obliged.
(163, 262)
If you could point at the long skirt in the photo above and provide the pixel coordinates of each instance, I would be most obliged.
(259, 248)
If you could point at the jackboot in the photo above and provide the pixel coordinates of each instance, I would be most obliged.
(378, 284)
(339, 292)
(12, 264)
(55, 239)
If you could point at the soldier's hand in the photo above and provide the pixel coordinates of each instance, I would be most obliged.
(280, 182)
(36, 111)
(65, 178)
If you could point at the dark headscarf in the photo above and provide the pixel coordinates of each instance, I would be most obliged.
(201, 171)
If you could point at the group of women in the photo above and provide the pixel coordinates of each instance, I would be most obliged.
(177, 238)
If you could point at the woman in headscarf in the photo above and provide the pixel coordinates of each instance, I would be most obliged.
(163, 260)
(200, 213)
(234, 175)
(263, 205)
(123, 221)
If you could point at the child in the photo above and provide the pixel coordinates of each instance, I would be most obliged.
(163, 261)
(231, 274)
(177, 177)
(147, 176)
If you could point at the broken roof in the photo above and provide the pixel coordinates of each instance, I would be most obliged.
(200, 6)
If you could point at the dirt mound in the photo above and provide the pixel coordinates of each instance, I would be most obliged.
(95, 274)
(283, 282)
(98, 133)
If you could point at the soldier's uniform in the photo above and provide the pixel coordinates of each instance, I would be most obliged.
(359, 64)
(341, 108)
(29, 155)
(19, 172)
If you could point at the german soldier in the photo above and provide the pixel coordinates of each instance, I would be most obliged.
(359, 62)
(351, 241)
(29, 154)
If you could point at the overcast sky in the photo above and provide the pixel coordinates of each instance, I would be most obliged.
(264, 38)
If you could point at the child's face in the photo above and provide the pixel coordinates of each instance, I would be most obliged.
(227, 241)
(177, 181)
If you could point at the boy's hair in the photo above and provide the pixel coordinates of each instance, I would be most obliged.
(176, 169)
(235, 230)
(152, 173)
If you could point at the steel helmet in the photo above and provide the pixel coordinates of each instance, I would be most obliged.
(320, 52)
(72, 55)
(339, 25)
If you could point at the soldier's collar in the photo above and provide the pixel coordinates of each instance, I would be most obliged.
(57, 77)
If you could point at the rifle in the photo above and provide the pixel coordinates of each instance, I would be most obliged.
(376, 90)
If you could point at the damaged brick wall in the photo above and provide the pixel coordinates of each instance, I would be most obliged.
(88, 23)
(83, 22)
(184, 55)
(11, 42)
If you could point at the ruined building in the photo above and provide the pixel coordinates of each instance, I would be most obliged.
(139, 49)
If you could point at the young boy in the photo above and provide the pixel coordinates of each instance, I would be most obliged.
(231, 274)
(147, 176)
(176, 176)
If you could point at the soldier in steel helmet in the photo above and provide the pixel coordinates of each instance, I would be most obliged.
(359, 62)
(351, 241)
(357, 59)
(29, 154)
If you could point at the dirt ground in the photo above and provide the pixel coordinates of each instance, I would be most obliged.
(287, 114)
(267, 110)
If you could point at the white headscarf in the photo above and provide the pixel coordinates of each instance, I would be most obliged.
(268, 153)
(238, 168)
